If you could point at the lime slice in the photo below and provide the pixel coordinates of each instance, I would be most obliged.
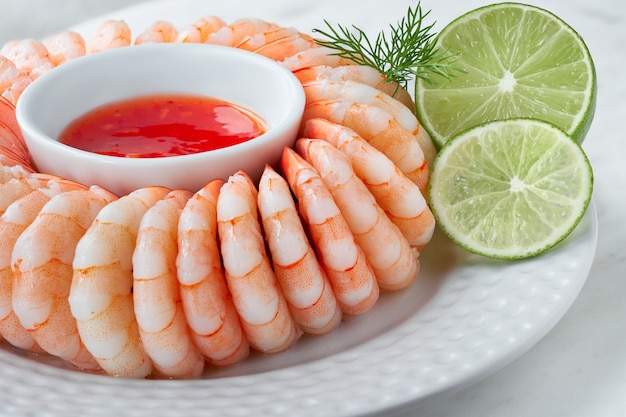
(519, 61)
(510, 189)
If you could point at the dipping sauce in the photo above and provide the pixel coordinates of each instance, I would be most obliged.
(162, 125)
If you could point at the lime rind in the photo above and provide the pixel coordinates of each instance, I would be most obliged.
(510, 189)
(511, 71)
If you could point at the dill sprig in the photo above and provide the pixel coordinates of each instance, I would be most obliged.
(408, 51)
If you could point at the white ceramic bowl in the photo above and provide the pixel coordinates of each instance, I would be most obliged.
(243, 78)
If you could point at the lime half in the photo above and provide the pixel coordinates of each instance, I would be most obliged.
(518, 61)
(510, 189)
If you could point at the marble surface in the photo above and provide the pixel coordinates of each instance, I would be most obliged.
(579, 368)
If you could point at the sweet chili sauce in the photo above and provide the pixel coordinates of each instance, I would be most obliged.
(162, 125)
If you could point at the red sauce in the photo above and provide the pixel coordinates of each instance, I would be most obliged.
(162, 125)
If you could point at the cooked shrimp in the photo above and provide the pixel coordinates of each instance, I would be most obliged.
(390, 255)
(381, 129)
(11, 149)
(16, 188)
(350, 275)
(7, 115)
(262, 308)
(201, 29)
(110, 34)
(29, 55)
(13, 80)
(355, 92)
(259, 39)
(303, 281)
(9, 158)
(358, 73)
(164, 332)
(42, 272)
(100, 297)
(313, 57)
(401, 199)
(235, 33)
(207, 303)
(19, 215)
(65, 46)
(158, 32)
(10, 172)
(285, 47)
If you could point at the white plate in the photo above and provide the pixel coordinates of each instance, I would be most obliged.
(465, 318)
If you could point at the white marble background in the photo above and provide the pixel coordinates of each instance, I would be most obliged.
(579, 368)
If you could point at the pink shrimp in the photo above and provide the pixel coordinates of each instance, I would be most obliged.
(65, 46)
(207, 303)
(7, 114)
(10, 172)
(100, 297)
(13, 80)
(29, 55)
(401, 199)
(164, 332)
(110, 34)
(350, 275)
(158, 32)
(235, 33)
(281, 48)
(357, 73)
(303, 281)
(201, 29)
(262, 308)
(381, 129)
(262, 38)
(18, 187)
(360, 93)
(313, 57)
(17, 217)
(42, 276)
(11, 151)
(390, 255)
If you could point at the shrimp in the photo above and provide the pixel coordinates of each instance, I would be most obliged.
(398, 196)
(381, 129)
(201, 29)
(350, 275)
(19, 215)
(9, 158)
(29, 55)
(287, 46)
(390, 255)
(259, 39)
(16, 188)
(355, 92)
(110, 34)
(162, 327)
(13, 80)
(100, 297)
(11, 151)
(158, 32)
(262, 308)
(236, 32)
(10, 172)
(41, 262)
(7, 113)
(303, 281)
(313, 57)
(65, 46)
(207, 303)
(358, 73)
